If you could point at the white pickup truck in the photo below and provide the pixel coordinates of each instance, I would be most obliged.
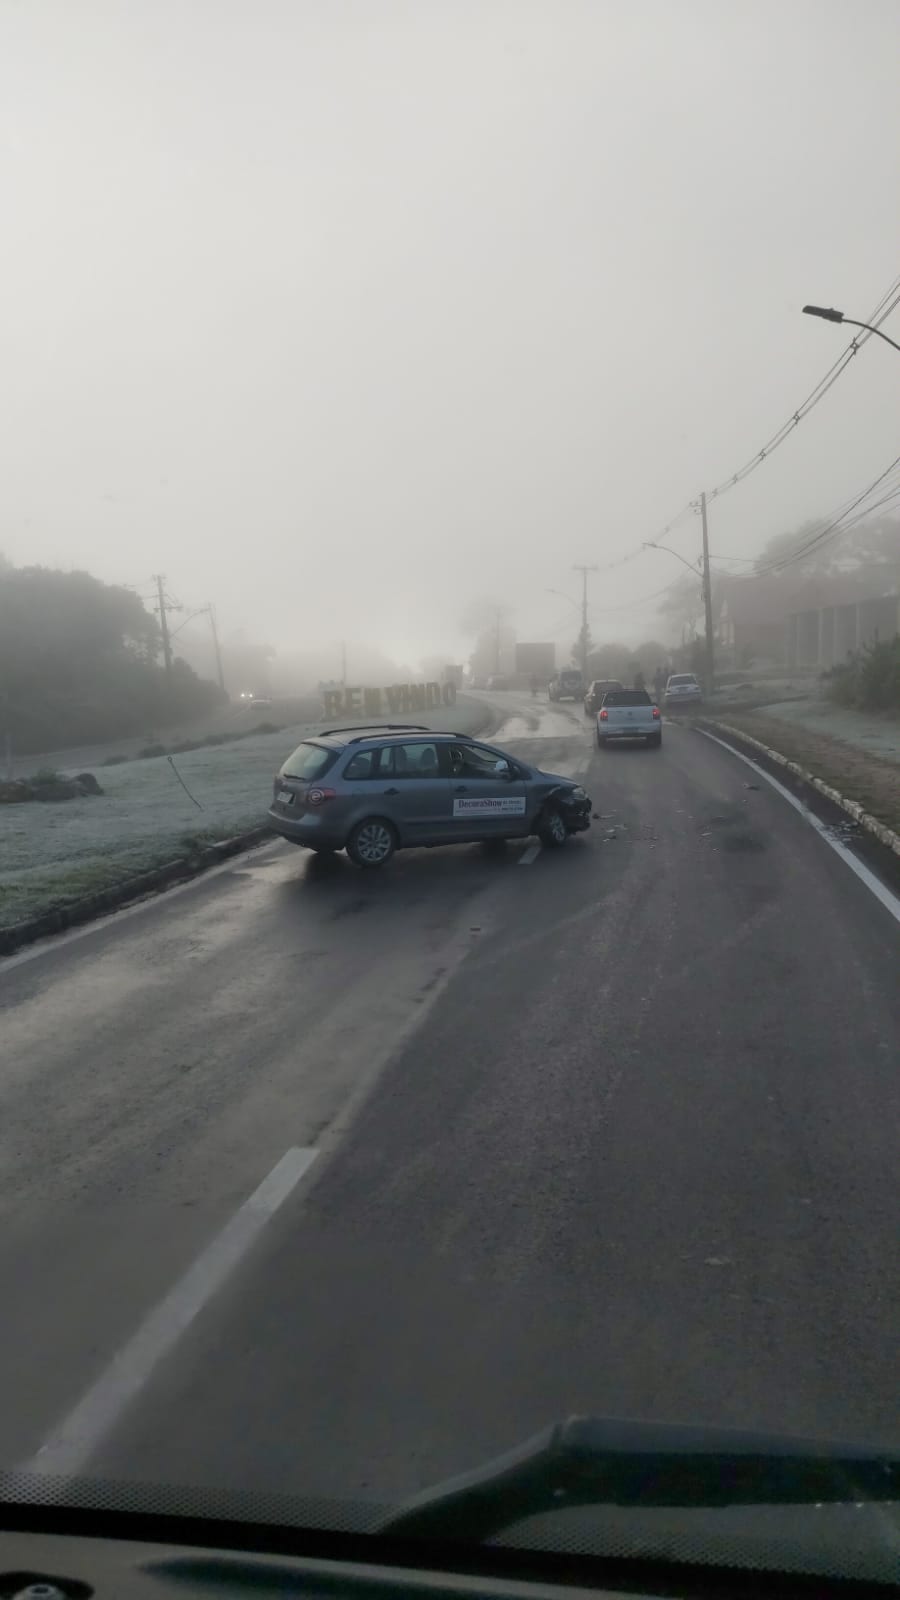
(628, 714)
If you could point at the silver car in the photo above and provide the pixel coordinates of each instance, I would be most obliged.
(375, 790)
(683, 690)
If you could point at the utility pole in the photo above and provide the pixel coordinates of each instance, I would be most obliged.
(583, 640)
(164, 624)
(343, 663)
(707, 603)
(7, 737)
(215, 639)
(498, 614)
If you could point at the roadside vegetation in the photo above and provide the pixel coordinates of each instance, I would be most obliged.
(870, 680)
(80, 662)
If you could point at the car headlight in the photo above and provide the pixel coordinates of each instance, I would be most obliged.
(578, 793)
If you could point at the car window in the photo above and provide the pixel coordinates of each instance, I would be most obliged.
(362, 765)
(683, 677)
(309, 761)
(627, 697)
(409, 761)
(473, 761)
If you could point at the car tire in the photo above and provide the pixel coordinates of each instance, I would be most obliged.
(372, 842)
(601, 743)
(552, 830)
(655, 741)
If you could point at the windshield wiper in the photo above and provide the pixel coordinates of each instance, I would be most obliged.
(592, 1461)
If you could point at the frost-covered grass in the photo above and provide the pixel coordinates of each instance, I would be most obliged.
(54, 853)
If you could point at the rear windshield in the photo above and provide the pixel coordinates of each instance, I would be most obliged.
(309, 761)
(627, 697)
(571, 677)
(605, 685)
(683, 677)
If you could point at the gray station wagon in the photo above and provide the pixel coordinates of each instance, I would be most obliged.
(376, 790)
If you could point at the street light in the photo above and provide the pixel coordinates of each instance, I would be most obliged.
(649, 544)
(829, 314)
(563, 596)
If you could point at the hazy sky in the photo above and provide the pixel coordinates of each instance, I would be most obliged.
(343, 313)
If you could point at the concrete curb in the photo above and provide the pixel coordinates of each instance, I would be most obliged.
(870, 824)
(60, 918)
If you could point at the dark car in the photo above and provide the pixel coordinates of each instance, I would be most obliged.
(593, 700)
(567, 685)
(371, 792)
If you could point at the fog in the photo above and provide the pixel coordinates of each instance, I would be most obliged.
(345, 315)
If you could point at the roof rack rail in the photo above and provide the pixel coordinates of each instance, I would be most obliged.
(393, 727)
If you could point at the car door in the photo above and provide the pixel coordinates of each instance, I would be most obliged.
(485, 802)
(414, 791)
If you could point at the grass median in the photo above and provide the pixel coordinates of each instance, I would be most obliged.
(54, 855)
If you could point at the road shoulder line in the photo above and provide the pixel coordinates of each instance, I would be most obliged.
(870, 824)
(67, 1448)
(880, 890)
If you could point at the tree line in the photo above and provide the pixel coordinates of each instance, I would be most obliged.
(80, 661)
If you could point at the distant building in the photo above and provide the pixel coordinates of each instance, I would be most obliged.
(763, 622)
(826, 635)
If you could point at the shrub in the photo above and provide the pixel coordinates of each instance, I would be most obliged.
(150, 750)
(870, 680)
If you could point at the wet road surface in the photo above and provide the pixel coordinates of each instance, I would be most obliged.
(612, 1130)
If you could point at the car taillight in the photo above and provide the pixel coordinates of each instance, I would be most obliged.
(656, 712)
(317, 797)
(604, 715)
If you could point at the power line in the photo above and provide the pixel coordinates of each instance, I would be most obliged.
(631, 605)
(886, 304)
(631, 555)
(881, 312)
(838, 524)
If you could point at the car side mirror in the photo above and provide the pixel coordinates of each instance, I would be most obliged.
(504, 770)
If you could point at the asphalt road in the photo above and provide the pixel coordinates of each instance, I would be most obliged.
(612, 1130)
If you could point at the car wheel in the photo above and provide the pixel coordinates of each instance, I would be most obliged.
(371, 843)
(655, 741)
(552, 830)
(601, 743)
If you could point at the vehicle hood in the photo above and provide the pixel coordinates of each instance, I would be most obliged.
(554, 777)
(679, 1496)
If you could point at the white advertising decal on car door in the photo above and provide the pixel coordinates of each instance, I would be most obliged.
(506, 806)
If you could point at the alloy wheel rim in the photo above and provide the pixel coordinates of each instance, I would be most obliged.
(374, 842)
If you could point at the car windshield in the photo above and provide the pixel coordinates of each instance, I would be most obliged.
(450, 769)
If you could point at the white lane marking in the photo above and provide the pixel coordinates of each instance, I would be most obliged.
(880, 890)
(67, 1448)
(530, 853)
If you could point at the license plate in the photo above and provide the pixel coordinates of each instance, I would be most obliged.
(286, 797)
